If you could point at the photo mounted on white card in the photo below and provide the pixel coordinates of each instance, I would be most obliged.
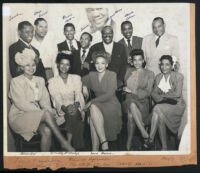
(99, 79)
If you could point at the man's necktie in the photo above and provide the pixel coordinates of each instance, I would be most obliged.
(129, 44)
(71, 45)
(157, 41)
(83, 58)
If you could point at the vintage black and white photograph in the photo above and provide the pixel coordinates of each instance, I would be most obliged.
(97, 78)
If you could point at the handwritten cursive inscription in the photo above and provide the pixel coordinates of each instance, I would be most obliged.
(16, 15)
(116, 12)
(67, 18)
(40, 13)
(84, 27)
(129, 15)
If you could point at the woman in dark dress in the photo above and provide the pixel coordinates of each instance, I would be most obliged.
(105, 109)
(139, 84)
(170, 106)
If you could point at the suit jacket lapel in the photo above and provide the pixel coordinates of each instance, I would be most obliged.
(102, 47)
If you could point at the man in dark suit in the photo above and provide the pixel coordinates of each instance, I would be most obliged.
(117, 51)
(129, 41)
(25, 31)
(80, 62)
(70, 44)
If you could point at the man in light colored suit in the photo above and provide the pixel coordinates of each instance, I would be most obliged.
(159, 43)
(129, 41)
(43, 41)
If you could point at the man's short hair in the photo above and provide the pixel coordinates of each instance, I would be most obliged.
(88, 34)
(126, 22)
(22, 24)
(159, 18)
(69, 25)
(107, 26)
(39, 20)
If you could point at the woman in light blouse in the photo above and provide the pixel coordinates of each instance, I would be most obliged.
(31, 111)
(66, 93)
(170, 106)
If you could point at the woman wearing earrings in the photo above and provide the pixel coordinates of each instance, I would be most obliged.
(105, 109)
(66, 93)
(170, 106)
(139, 84)
(31, 109)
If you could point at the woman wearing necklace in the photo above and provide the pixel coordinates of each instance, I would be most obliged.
(31, 110)
(170, 106)
(139, 84)
(105, 109)
(66, 93)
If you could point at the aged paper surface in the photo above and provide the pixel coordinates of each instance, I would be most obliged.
(180, 21)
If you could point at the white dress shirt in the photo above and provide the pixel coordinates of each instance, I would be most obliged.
(108, 47)
(27, 44)
(48, 51)
(86, 52)
(74, 43)
(126, 41)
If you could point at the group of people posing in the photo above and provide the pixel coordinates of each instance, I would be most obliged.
(137, 77)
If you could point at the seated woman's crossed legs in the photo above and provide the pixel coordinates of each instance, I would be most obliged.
(97, 129)
(49, 120)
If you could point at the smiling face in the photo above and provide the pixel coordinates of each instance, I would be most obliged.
(127, 30)
(97, 16)
(85, 41)
(29, 69)
(107, 35)
(101, 64)
(138, 61)
(165, 66)
(41, 29)
(69, 33)
(64, 66)
(158, 27)
(26, 33)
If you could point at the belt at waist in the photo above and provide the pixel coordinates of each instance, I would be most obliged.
(48, 68)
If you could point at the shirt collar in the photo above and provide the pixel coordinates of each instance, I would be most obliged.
(126, 40)
(108, 45)
(27, 44)
(156, 37)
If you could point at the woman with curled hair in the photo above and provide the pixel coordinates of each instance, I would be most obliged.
(138, 88)
(31, 111)
(105, 109)
(170, 106)
(66, 93)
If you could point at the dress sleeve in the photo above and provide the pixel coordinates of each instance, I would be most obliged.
(87, 81)
(55, 95)
(78, 90)
(110, 92)
(19, 98)
(177, 91)
(146, 92)
(45, 99)
(156, 93)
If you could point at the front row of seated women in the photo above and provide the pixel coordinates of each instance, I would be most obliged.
(31, 110)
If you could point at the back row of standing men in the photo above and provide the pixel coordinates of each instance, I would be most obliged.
(154, 46)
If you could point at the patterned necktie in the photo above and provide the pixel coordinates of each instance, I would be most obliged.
(83, 58)
(129, 44)
(157, 41)
(71, 46)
